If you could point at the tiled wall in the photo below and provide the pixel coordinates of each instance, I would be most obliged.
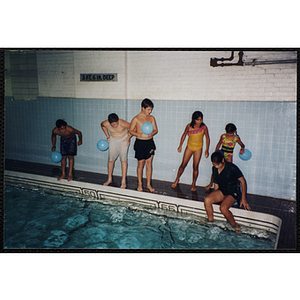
(268, 129)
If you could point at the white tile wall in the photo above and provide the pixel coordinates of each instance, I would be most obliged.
(268, 129)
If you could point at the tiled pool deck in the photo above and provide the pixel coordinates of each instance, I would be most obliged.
(284, 209)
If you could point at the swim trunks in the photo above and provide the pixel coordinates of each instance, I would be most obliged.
(118, 147)
(144, 149)
(195, 140)
(68, 146)
(228, 146)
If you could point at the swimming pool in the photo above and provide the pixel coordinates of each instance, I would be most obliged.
(39, 217)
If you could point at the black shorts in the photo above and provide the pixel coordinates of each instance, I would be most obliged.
(68, 146)
(144, 149)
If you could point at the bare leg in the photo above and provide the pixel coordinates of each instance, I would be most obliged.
(186, 158)
(214, 197)
(110, 168)
(71, 165)
(140, 168)
(63, 168)
(224, 208)
(124, 165)
(196, 161)
(149, 173)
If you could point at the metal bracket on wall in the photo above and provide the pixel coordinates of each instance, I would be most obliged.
(214, 61)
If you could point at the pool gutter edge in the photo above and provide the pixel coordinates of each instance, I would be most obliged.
(248, 218)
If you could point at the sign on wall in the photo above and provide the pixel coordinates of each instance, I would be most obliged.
(99, 77)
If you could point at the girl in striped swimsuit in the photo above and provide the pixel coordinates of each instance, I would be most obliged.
(228, 141)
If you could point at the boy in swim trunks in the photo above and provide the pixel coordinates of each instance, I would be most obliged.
(144, 145)
(229, 186)
(68, 145)
(116, 131)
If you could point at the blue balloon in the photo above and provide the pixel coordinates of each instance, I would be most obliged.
(246, 156)
(147, 128)
(56, 156)
(102, 145)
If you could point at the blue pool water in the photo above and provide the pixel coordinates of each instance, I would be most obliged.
(36, 218)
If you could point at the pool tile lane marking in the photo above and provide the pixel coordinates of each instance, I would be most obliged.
(247, 218)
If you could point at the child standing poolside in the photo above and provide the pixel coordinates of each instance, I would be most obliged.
(116, 131)
(68, 145)
(228, 141)
(195, 131)
(144, 145)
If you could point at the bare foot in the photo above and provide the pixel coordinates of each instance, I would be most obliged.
(193, 189)
(174, 184)
(123, 186)
(150, 188)
(108, 182)
(237, 229)
(61, 177)
(202, 222)
(140, 188)
(70, 177)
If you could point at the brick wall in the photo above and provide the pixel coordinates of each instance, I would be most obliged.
(167, 75)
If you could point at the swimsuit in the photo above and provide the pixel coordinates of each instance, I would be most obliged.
(195, 140)
(68, 146)
(144, 149)
(228, 181)
(228, 146)
(118, 147)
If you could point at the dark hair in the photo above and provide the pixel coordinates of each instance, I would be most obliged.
(113, 118)
(217, 157)
(60, 123)
(195, 116)
(230, 128)
(147, 102)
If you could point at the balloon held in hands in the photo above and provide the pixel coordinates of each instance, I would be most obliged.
(147, 128)
(102, 145)
(56, 156)
(246, 156)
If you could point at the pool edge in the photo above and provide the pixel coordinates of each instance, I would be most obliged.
(248, 218)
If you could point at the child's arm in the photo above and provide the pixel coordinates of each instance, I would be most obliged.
(210, 184)
(53, 139)
(244, 192)
(132, 128)
(183, 137)
(105, 130)
(207, 141)
(126, 125)
(155, 130)
(219, 143)
(79, 136)
(242, 151)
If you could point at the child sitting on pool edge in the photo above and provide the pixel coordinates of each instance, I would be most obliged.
(229, 186)
(68, 145)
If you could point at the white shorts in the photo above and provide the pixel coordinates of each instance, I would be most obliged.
(118, 147)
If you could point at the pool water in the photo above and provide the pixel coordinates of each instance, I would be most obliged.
(36, 218)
